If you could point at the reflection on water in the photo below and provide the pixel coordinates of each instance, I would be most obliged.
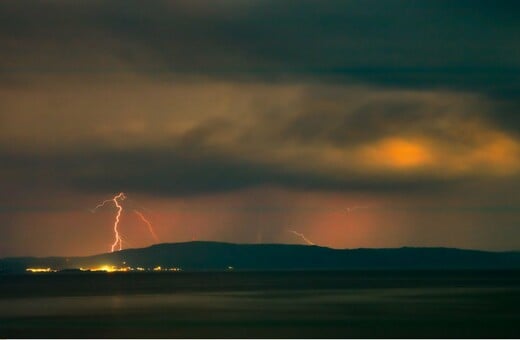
(289, 301)
(456, 310)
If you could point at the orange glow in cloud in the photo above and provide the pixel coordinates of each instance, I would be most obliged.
(398, 153)
(490, 153)
(500, 155)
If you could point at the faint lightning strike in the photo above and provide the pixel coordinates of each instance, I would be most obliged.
(101, 205)
(117, 237)
(148, 223)
(300, 235)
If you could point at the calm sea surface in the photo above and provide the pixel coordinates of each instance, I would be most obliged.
(274, 304)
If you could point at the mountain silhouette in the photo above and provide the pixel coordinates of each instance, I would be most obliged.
(217, 256)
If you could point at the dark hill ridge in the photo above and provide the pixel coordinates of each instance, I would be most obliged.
(219, 256)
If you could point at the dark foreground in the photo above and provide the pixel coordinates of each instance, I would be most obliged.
(270, 304)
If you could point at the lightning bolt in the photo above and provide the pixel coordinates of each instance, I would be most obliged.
(100, 205)
(300, 235)
(148, 223)
(117, 237)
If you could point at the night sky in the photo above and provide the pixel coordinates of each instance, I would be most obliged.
(356, 123)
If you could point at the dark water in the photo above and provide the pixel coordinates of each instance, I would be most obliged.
(276, 304)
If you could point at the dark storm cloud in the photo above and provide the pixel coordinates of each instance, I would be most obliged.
(466, 47)
(171, 173)
(344, 119)
(462, 45)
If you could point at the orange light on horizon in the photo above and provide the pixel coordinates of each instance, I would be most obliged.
(39, 270)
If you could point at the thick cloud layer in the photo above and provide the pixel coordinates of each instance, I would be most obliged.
(195, 136)
(173, 100)
(463, 44)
